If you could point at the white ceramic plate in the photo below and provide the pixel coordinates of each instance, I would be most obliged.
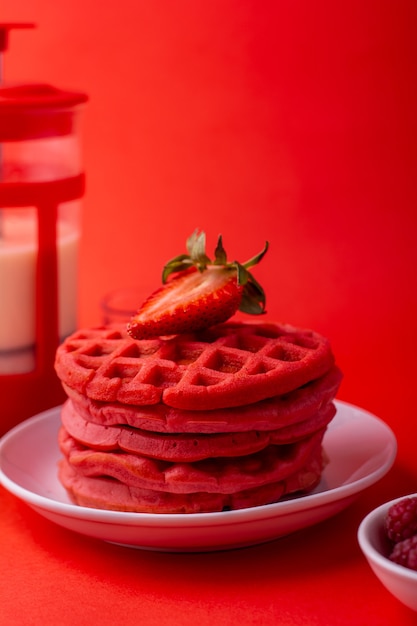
(361, 449)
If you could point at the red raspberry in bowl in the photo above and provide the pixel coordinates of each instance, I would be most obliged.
(405, 553)
(401, 520)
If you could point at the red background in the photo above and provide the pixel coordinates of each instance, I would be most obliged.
(292, 121)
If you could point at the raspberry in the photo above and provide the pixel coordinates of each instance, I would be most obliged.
(405, 553)
(401, 520)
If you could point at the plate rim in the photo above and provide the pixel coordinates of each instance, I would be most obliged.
(263, 512)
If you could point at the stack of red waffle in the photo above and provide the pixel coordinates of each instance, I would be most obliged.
(227, 418)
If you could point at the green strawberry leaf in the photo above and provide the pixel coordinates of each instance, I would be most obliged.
(255, 260)
(196, 245)
(177, 264)
(220, 256)
(242, 273)
(253, 299)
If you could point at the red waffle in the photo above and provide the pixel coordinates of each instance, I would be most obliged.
(221, 475)
(228, 365)
(270, 414)
(106, 493)
(186, 447)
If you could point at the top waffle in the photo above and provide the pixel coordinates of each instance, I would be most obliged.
(231, 364)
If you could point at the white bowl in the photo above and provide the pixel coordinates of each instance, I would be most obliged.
(399, 580)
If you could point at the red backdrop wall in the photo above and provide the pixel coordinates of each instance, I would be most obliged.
(288, 121)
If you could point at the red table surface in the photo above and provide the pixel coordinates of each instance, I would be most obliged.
(288, 121)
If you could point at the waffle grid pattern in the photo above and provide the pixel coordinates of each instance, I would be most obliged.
(229, 365)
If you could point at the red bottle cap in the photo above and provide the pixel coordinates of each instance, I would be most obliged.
(37, 111)
(34, 111)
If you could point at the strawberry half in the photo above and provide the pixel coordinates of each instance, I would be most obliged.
(198, 293)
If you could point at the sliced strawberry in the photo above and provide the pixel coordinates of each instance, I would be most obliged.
(198, 293)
